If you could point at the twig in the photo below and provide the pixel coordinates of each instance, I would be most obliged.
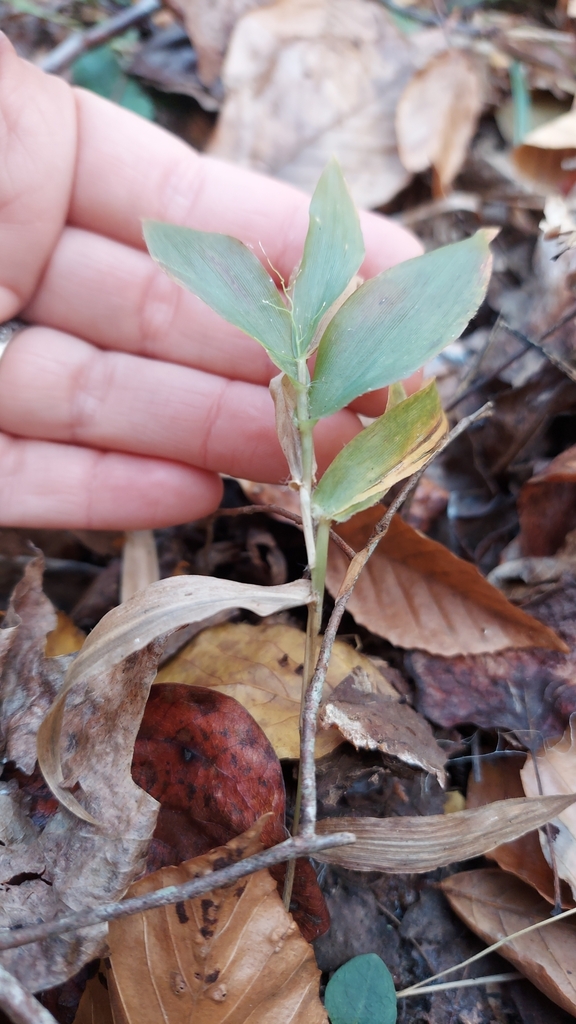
(20, 1005)
(314, 691)
(489, 979)
(251, 510)
(79, 42)
(301, 846)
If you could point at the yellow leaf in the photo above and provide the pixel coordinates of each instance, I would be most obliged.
(261, 666)
(65, 639)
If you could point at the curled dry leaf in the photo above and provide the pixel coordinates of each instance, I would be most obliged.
(306, 80)
(123, 632)
(495, 904)
(544, 151)
(373, 721)
(417, 594)
(233, 955)
(261, 666)
(523, 857)
(553, 770)
(406, 845)
(438, 113)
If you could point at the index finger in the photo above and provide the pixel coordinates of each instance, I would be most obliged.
(128, 169)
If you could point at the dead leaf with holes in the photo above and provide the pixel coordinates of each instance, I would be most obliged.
(495, 904)
(261, 666)
(232, 955)
(553, 770)
(306, 80)
(416, 594)
(438, 113)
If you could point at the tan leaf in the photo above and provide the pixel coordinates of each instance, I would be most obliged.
(128, 629)
(209, 26)
(139, 563)
(541, 159)
(284, 397)
(523, 857)
(65, 639)
(438, 113)
(495, 904)
(373, 721)
(555, 772)
(400, 845)
(309, 79)
(233, 955)
(94, 1005)
(417, 594)
(261, 666)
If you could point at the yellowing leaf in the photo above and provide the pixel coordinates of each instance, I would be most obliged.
(231, 956)
(65, 639)
(495, 904)
(261, 666)
(417, 594)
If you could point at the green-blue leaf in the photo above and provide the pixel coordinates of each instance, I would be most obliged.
(230, 279)
(362, 992)
(333, 252)
(99, 70)
(389, 450)
(398, 320)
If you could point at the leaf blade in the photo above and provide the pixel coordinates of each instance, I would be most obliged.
(229, 278)
(333, 252)
(362, 992)
(427, 301)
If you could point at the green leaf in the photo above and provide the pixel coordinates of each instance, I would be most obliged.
(333, 252)
(99, 70)
(398, 320)
(230, 279)
(361, 992)
(390, 449)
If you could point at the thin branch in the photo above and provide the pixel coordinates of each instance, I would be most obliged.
(251, 510)
(301, 846)
(20, 1005)
(79, 42)
(314, 692)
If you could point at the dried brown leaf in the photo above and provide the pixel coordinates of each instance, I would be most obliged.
(139, 563)
(417, 594)
(309, 79)
(495, 904)
(438, 113)
(94, 1007)
(405, 845)
(553, 770)
(261, 666)
(210, 26)
(374, 721)
(547, 506)
(233, 955)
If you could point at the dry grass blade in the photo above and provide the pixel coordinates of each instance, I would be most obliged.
(417, 594)
(233, 955)
(139, 563)
(128, 629)
(495, 904)
(400, 845)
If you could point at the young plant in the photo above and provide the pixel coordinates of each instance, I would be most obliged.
(364, 337)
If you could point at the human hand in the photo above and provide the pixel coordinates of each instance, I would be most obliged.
(126, 396)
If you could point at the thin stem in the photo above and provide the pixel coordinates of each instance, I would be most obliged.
(79, 42)
(20, 1005)
(298, 847)
(489, 979)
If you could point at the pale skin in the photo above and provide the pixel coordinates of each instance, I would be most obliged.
(125, 397)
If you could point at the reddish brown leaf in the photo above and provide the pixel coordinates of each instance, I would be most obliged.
(210, 766)
(547, 506)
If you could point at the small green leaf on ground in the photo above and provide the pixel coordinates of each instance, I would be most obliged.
(361, 992)
(99, 70)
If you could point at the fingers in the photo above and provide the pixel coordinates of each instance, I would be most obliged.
(38, 145)
(62, 486)
(58, 388)
(129, 169)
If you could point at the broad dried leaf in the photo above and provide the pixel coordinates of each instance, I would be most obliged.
(126, 630)
(233, 955)
(333, 253)
(495, 904)
(541, 157)
(555, 772)
(261, 666)
(396, 445)
(94, 1007)
(406, 845)
(523, 857)
(229, 278)
(210, 27)
(398, 320)
(211, 790)
(547, 506)
(438, 113)
(371, 721)
(306, 80)
(417, 594)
